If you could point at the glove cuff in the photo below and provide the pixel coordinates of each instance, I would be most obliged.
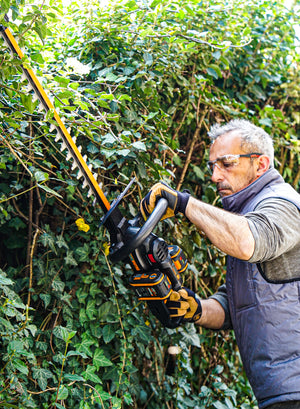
(182, 201)
(198, 312)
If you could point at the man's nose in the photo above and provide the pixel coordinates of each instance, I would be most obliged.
(218, 174)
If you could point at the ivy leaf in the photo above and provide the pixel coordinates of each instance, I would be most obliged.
(58, 286)
(81, 295)
(125, 97)
(16, 346)
(20, 366)
(59, 406)
(5, 281)
(47, 240)
(212, 72)
(123, 152)
(32, 328)
(60, 242)
(83, 252)
(111, 77)
(70, 260)
(215, 68)
(60, 332)
(116, 402)
(103, 395)
(258, 92)
(84, 345)
(62, 80)
(108, 333)
(198, 172)
(41, 176)
(140, 146)
(266, 121)
(191, 337)
(76, 353)
(148, 58)
(91, 310)
(127, 398)
(73, 377)
(5, 324)
(28, 102)
(63, 333)
(42, 376)
(99, 359)
(108, 139)
(94, 290)
(220, 405)
(49, 190)
(142, 331)
(89, 375)
(62, 393)
(107, 312)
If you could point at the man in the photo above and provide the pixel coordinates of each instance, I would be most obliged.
(259, 230)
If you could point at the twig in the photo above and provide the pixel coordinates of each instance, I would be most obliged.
(94, 389)
(15, 155)
(30, 210)
(188, 159)
(120, 318)
(156, 366)
(197, 40)
(181, 123)
(49, 389)
(20, 213)
(31, 271)
(296, 180)
(148, 400)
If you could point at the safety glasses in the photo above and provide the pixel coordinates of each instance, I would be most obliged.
(227, 162)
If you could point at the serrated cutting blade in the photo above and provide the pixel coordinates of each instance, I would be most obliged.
(46, 105)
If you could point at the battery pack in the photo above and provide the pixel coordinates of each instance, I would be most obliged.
(151, 286)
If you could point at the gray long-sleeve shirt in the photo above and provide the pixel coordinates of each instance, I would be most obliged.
(275, 225)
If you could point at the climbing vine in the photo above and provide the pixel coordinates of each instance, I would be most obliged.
(139, 85)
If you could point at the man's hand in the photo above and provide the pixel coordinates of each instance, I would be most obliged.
(177, 201)
(184, 303)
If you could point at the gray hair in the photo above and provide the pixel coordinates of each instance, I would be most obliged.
(254, 139)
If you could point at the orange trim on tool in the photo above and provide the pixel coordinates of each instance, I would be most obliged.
(148, 284)
(134, 263)
(175, 255)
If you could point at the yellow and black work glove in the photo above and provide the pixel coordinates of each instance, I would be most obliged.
(184, 303)
(177, 201)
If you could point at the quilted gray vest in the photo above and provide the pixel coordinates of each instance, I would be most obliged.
(265, 315)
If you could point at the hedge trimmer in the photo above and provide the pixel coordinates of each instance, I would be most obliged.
(156, 265)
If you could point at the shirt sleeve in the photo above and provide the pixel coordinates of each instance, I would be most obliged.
(275, 225)
(221, 297)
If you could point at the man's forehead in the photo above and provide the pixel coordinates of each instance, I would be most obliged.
(227, 143)
(228, 136)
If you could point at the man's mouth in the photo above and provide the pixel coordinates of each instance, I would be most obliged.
(222, 189)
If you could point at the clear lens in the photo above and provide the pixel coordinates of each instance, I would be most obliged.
(225, 162)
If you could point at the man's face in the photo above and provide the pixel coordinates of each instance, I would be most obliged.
(234, 178)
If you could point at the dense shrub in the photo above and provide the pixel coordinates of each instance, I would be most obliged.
(139, 85)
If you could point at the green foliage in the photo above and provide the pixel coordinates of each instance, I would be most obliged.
(139, 85)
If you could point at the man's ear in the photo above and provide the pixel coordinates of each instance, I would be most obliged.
(263, 164)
